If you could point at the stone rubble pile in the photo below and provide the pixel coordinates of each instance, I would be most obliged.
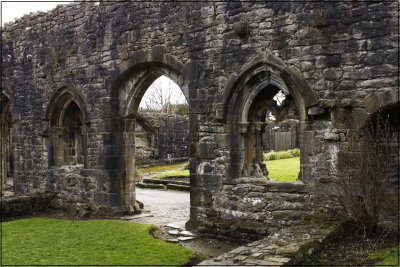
(289, 246)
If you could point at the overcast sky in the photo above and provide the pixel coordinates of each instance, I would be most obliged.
(17, 8)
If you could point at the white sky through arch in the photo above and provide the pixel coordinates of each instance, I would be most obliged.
(162, 89)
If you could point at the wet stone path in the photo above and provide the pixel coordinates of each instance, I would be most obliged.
(169, 210)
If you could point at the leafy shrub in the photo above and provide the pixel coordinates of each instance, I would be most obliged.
(275, 155)
(271, 156)
(296, 152)
(285, 154)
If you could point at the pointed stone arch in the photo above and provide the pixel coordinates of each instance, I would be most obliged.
(267, 69)
(246, 94)
(6, 144)
(67, 118)
(127, 85)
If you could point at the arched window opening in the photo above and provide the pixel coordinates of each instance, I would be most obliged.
(7, 157)
(73, 135)
(271, 133)
(67, 131)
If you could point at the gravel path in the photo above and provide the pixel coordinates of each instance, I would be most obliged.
(166, 206)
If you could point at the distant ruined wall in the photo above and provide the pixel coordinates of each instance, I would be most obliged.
(162, 139)
(331, 58)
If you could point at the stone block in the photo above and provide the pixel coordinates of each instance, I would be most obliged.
(315, 111)
(332, 136)
(108, 199)
(327, 103)
(223, 140)
(295, 187)
(306, 145)
(374, 101)
(343, 118)
(211, 180)
(305, 172)
(346, 103)
(202, 150)
(191, 71)
(178, 187)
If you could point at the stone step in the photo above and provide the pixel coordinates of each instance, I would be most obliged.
(173, 226)
(162, 181)
(152, 186)
(154, 181)
(178, 187)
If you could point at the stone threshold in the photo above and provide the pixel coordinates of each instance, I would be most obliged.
(163, 184)
(288, 246)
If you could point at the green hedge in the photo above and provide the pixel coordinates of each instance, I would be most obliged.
(274, 155)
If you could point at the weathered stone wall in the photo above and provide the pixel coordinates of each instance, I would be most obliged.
(331, 57)
(173, 138)
(164, 140)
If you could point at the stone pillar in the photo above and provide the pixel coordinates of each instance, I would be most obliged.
(57, 146)
(128, 179)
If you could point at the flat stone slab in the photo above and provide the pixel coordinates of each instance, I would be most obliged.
(178, 187)
(287, 246)
(172, 240)
(185, 238)
(187, 233)
(173, 232)
(174, 226)
(128, 218)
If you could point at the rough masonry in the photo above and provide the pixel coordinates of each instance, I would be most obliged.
(72, 80)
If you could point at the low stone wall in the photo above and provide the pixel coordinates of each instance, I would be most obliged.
(43, 202)
(15, 206)
(252, 208)
(287, 247)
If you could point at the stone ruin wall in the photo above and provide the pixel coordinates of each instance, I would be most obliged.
(346, 52)
(162, 139)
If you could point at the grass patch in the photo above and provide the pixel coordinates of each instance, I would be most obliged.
(162, 168)
(351, 247)
(174, 174)
(391, 258)
(45, 241)
(284, 170)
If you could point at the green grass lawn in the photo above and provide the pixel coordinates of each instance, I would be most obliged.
(284, 170)
(45, 241)
(174, 174)
(392, 258)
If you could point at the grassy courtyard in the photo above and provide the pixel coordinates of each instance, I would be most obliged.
(45, 241)
(284, 170)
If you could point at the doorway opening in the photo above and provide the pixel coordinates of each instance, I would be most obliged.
(7, 155)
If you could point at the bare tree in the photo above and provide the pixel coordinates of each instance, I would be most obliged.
(160, 95)
(360, 185)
